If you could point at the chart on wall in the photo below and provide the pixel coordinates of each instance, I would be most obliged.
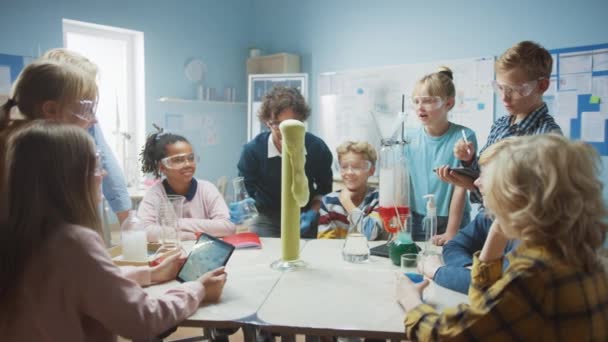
(347, 98)
(578, 95)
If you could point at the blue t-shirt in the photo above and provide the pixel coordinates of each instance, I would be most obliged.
(424, 153)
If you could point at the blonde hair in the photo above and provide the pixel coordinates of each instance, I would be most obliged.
(48, 182)
(529, 56)
(439, 83)
(46, 80)
(545, 189)
(362, 147)
(73, 58)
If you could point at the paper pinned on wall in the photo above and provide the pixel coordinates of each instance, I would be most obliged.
(554, 67)
(593, 126)
(600, 87)
(580, 83)
(566, 104)
(552, 87)
(600, 60)
(5, 80)
(564, 124)
(575, 63)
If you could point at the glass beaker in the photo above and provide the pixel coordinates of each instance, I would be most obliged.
(133, 239)
(356, 248)
(169, 213)
(246, 204)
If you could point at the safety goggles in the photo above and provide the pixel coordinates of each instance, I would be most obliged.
(85, 110)
(427, 103)
(356, 168)
(521, 90)
(180, 160)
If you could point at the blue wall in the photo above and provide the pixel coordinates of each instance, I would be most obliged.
(333, 35)
(214, 30)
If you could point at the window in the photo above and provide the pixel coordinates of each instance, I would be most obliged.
(119, 55)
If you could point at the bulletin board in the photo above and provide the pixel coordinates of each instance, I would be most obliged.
(10, 67)
(348, 97)
(578, 95)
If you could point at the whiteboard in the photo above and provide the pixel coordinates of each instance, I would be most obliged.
(347, 97)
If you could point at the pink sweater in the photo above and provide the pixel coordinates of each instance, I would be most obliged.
(73, 292)
(206, 212)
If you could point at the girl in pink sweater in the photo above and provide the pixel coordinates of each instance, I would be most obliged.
(57, 282)
(204, 209)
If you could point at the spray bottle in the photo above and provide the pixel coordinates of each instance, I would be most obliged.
(429, 223)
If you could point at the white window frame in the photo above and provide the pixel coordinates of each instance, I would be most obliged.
(136, 82)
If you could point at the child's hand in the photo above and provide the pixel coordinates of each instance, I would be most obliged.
(168, 268)
(464, 151)
(236, 210)
(214, 282)
(307, 219)
(442, 239)
(409, 295)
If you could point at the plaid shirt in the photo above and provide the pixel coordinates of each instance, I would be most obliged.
(538, 298)
(537, 122)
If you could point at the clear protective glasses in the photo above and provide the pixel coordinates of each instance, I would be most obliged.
(180, 160)
(356, 168)
(521, 90)
(427, 103)
(86, 111)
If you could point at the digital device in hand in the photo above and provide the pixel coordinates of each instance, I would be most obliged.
(465, 171)
(207, 254)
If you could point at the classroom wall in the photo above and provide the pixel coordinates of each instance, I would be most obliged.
(350, 34)
(174, 31)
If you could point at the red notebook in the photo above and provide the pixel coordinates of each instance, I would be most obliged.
(244, 240)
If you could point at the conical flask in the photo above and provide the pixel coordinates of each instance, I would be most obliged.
(356, 248)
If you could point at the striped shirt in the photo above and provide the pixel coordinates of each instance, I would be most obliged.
(333, 220)
(538, 298)
(537, 122)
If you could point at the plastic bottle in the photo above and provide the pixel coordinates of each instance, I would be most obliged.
(429, 224)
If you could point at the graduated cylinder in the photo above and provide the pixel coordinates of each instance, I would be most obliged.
(294, 187)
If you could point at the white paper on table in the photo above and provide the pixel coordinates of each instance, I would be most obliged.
(592, 126)
(581, 83)
(600, 87)
(5, 80)
(600, 60)
(566, 104)
(564, 124)
(554, 67)
(575, 63)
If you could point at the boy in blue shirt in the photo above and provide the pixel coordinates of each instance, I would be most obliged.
(522, 76)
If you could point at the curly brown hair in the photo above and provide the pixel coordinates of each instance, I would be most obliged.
(280, 99)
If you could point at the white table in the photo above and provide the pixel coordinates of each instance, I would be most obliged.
(337, 298)
(329, 297)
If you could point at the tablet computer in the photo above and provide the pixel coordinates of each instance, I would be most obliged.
(207, 254)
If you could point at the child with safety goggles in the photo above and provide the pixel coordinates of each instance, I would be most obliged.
(204, 209)
(430, 147)
(522, 76)
(357, 162)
